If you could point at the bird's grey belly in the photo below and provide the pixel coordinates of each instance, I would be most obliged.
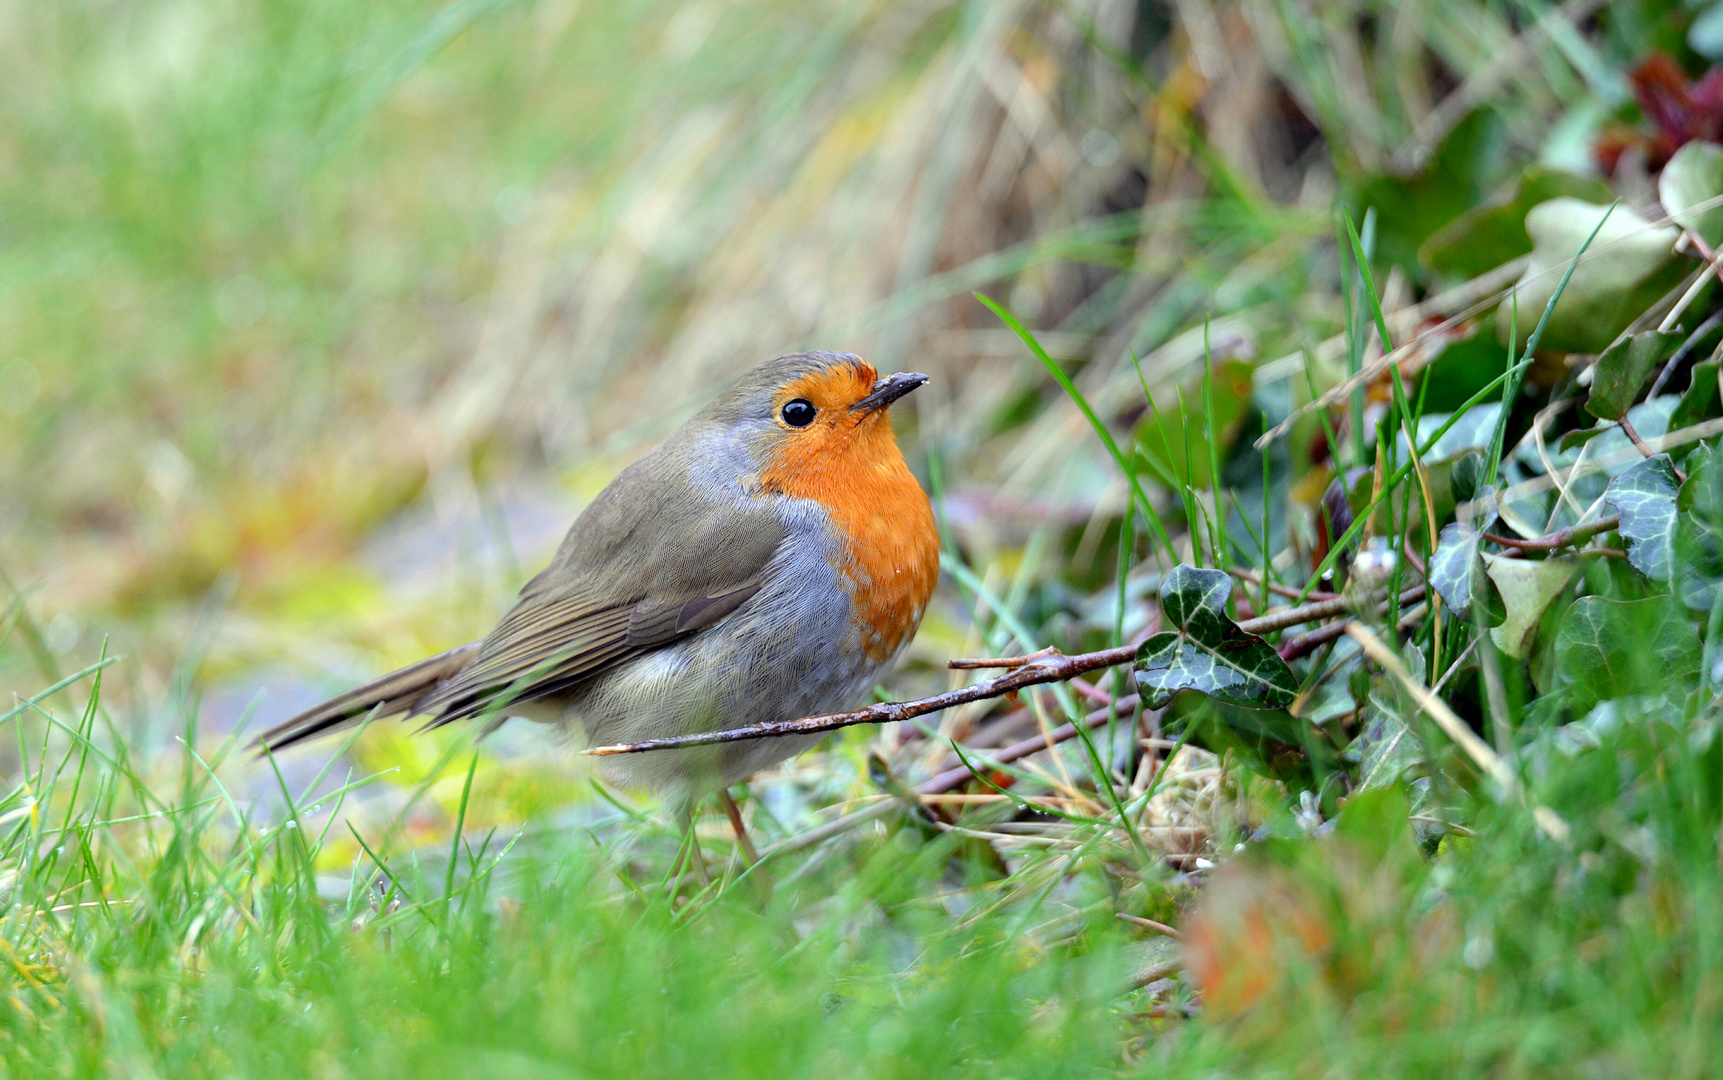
(791, 651)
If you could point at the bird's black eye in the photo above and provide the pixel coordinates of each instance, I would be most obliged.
(799, 413)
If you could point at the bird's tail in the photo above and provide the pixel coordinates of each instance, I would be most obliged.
(395, 693)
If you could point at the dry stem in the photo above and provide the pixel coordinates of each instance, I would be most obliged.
(1045, 666)
(1554, 541)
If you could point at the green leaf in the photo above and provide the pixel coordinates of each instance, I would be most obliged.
(1471, 430)
(1644, 496)
(1528, 589)
(1457, 574)
(1208, 652)
(1692, 176)
(1467, 476)
(1632, 264)
(1608, 649)
(1623, 368)
(1492, 233)
(1698, 543)
(1387, 748)
(1701, 399)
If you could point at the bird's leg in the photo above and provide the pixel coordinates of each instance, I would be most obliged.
(698, 860)
(731, 810)
(751, 865)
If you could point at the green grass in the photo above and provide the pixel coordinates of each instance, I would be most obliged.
(198, 942)
(182, 945)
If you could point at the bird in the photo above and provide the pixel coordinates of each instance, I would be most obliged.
(766, 561)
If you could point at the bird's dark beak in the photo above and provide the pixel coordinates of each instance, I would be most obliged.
(888, 390)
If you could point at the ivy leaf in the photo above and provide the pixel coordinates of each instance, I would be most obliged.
(1387, 747)
(1467, 477)
(1457, 574)
(1644, 496)
(1692, 176)
(1608, 649)
(1628, 266)
(1698, 540)
(1528, 589)
(1700, 400)
(1623, 367)
(1208, 652)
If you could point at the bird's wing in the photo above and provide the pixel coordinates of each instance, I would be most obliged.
(649, 562)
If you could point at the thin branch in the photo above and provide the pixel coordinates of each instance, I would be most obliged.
(1150, 924)
(1281, 620)
(992, 663)
(1711, 257)
(1305, 644)
(1570, 537)
(1277, 588)
(1044, 669)
(944, 781)
(1022, 671)
(1626, 426)
(1674, 362)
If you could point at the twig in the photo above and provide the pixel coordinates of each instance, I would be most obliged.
(1566, 538)
(1154, 973)
(1305, 644)
(1626, 427)
(1501, 275)
(940, 783)
(1705, 252)
(1022, 671)
(1455, 306)
(950, 778)
(1277, 588)
(1682, 353)
(1281, 620)
(1001, 662)
(1091, 691)
(1158, 927)
(1045, 669)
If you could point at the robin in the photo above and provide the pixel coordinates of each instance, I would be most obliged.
(765, 562)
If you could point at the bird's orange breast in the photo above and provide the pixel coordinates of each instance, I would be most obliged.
(855, 470)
